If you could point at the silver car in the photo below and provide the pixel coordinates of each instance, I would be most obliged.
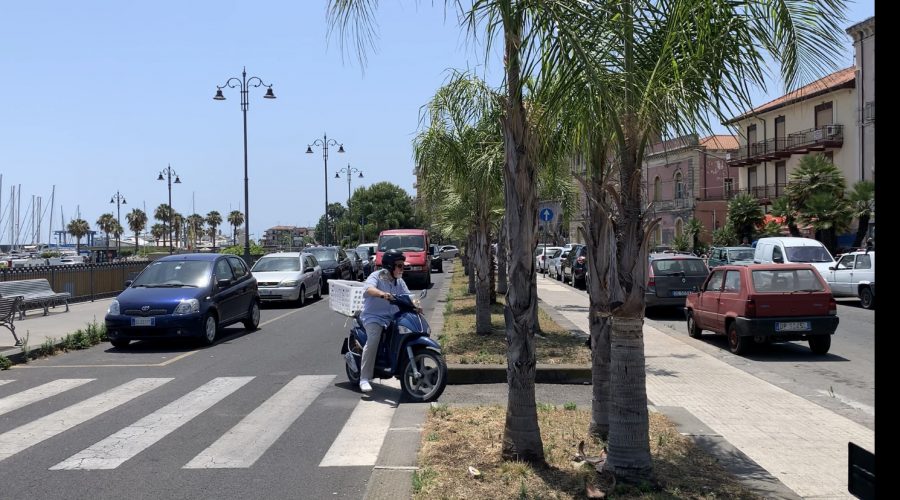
(288, 276)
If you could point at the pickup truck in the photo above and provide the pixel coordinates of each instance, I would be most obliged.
(854, 276)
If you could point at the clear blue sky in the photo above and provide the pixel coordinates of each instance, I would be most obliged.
(99, 96)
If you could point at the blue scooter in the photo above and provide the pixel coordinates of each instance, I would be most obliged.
(406, 351)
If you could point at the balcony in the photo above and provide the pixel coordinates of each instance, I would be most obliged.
(666, 205)
(765, 193)
(802, 142)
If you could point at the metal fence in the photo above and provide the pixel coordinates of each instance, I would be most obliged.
(83, 281)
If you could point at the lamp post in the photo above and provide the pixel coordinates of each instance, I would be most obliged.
(168, 177)
(325, 142)
(244, 84)
(119, 200)
(349, 171)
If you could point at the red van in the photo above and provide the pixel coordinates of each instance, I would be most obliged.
(415, 245)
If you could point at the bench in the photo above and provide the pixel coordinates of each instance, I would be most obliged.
(9, 306)
(34, 293)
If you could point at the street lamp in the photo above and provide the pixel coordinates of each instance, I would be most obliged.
(168, 177)
(244, 84)
(349, 171)
(325, 142)
(119, 200)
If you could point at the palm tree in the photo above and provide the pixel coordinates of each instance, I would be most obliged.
(744, 216)
(158, 231)
(213, 220)
(177, 226)
(862, 204)
(163, 213)
(106, 223)
(828, 214)
(816, 176)
(692, 230)
(78, 228)
(195, 224)
(137, 221)
(784, 207)
(235, 218)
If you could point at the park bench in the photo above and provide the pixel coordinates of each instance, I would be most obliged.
(34, 293)
(9, 306)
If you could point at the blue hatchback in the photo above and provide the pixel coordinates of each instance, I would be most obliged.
(189, 295)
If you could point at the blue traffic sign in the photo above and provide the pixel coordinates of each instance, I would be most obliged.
(546, 215)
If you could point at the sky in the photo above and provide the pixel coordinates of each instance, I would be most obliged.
(101, 96)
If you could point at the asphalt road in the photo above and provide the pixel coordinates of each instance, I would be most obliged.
(146, 421)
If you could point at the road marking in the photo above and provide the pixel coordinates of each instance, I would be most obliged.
(360, 440)
(868, 410)
(128, 442)
(6, 381)
(40, 392)
(242, 446)
(30, 434)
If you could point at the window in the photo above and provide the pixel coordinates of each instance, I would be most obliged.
(679, 227)
(824, 116)
(776, 254)
(240, 270)
(751, 137)
(846, 262)
(657, 189)
(223, 270)
(864, 262)
(715, 281)
(729, 188)
(779, 133)
(732, 282)
(679, 186)
(780, 177)
(829, 155)
(751, 179)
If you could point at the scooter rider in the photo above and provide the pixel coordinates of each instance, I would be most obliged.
(378, 310)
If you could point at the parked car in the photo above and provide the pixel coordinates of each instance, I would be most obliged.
(370, 249)
(356, 265)
(414, 243)
(790, 250)
(448, 252)
(568, 264)
(541, 254)
(553, 264)
(367, 262)
(672, 277)
(719, 256)
(764, 303)
(186, 295)
(288, 276)
(334, 263)
(437, 262)
(854, 276)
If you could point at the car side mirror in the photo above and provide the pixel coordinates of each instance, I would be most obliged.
(778, 260)
(128, 283)
(308, 270)
(831, 268)
(224, 283)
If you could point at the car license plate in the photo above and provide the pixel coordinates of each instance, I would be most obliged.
(680, 293)
(263, 291)
(143, 321)
(792, 326)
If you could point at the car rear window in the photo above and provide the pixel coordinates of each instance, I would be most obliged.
(276, 264)
(670, 267)
(324, 254)
(741, 254)
(174, 273)
(402, 242)
(788, 280)
(807, 254)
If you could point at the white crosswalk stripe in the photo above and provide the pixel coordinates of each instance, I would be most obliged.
(251, 437)
(36, 431)
(2, 382)
(40, 392)
(128, 442)
(360, 440)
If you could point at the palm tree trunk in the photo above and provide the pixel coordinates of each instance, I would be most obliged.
(861, 230)
(471, 257)
(136, 243)
(794, 230)
(502, 283)
(482, 246)
(521, 434)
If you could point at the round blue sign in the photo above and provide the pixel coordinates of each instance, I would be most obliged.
(546, 215)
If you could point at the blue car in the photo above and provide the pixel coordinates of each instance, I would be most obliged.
(189, 295)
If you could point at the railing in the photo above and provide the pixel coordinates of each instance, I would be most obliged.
(767, 192)
(82, 281)
(676, 204)
(801, 142)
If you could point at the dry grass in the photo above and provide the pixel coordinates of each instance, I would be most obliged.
(455, 438)
(460, 343)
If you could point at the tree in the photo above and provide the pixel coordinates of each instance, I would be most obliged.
(828, 214)
(213, 220)
(235, 218)
(158, 231)
(78, 228)
(382, 205)
(177, 227)
(862, 205)
(336, 212)
(692, 230)
(725, 237)
(784, 207)
(137, 221)
(106, 223)
(195, 227)
(744, 216)
(817, 177)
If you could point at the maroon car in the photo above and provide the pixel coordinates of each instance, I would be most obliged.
(764, 303)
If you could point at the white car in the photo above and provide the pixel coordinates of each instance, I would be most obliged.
(554, 267)
(854, 276)
(448, 252)
(288, 276)
(540, 262)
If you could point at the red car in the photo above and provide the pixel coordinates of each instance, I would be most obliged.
(764, 303)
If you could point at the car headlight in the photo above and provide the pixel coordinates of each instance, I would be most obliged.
(188, 306)
(290, 283)
(113, 308)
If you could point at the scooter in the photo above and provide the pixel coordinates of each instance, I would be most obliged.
(406, 351)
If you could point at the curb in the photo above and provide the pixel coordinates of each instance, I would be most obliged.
(496, 374)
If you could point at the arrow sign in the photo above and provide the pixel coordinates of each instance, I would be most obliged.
(546, 215)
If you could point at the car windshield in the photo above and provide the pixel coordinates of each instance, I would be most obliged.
(276, 264)
(174, 274)
(788, 280)
(363, 254)
(323, 254)
(808, 254)
(741, 254)
(402, 242)
(672, 267)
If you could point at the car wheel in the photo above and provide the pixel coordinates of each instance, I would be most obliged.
(120, 343)
(318, 294)
(251, 323)
(736, 343)
(820, 344)
(301, 299)
(866, 298)
(694, 331)
(210, 329)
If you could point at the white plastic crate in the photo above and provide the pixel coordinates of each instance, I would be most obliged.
(346, 297)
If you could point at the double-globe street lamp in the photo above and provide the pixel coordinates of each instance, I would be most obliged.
(119, 200)
(325, 142)
(166, 175)
(244, 84)
(349, 171)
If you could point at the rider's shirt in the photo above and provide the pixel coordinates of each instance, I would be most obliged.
(378, 310)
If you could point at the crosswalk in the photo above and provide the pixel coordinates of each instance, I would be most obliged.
(238, 447)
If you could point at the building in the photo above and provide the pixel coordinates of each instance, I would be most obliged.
(687, 178)
(284, 236)
(863, 35)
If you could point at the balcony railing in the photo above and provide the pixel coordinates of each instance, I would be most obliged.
(767, 192)
(801, 142)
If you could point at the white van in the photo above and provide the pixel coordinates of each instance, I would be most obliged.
(783, 250)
